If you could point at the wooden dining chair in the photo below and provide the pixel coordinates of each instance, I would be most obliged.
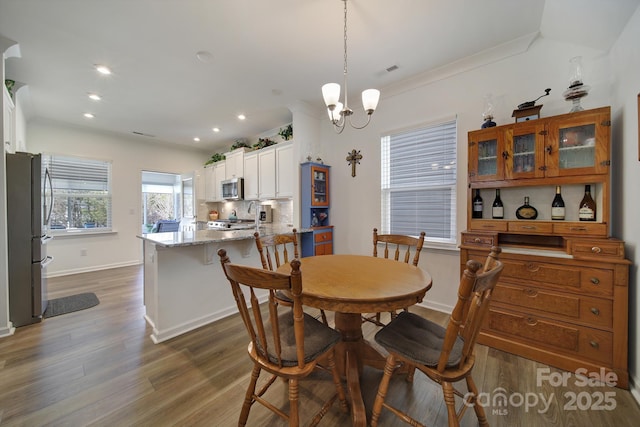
(288, 345)
(274, 251)
(444, 355)
(399, 247)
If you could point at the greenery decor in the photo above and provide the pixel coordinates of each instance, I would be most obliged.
(262, 143)
(286, 133)
(240, 143)
(215, 158)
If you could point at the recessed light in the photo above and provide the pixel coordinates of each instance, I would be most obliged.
(196, 139)
(216, 130)
(88, 115)
(241, 117)
(94, 96)
(102, 69)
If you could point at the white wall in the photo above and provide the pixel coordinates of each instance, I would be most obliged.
(355, 203)
(625, 60)
(130, 157)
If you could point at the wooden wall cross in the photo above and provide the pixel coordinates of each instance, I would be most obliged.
(354, 158)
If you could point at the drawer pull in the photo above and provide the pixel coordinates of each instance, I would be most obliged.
(531, 292)
(578, 228)
(594, 344)
(532, 266)
(531, 321)
(595, 311)
(477, 240)
(595, 281)
(529, 227)
(596, 250)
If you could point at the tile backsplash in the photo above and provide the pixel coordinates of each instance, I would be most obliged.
(281, 210)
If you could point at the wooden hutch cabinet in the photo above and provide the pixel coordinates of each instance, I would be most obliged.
(562, 298)
(315, 204)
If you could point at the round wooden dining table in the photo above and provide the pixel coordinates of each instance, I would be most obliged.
(350, 285)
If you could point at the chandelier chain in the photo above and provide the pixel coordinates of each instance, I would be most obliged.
(345, 55)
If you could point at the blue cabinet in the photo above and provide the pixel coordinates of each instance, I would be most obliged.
(315, 209)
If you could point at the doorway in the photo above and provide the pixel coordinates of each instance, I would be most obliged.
(161, 198)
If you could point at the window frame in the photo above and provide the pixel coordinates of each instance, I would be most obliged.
(48, 158)
(450, 123)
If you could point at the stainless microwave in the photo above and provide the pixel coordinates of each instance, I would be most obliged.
(232, 189)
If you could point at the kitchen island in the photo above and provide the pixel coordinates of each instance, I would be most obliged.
(184, 285)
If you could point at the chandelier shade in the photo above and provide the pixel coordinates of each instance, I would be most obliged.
(340, 113)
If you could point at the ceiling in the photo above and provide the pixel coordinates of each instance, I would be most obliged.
(262, 56)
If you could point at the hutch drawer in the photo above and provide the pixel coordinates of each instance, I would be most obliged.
(570, 307)
(565, 337)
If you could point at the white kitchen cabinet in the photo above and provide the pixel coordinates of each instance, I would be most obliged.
(267, 173)
(251, 176)
(220, 175)
(213, 175)
(8, 122)
(234, 164)
(284, 170)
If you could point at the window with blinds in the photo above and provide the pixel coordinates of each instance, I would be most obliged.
(81, 193)
(419, 182)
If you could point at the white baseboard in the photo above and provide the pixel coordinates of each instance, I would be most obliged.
(8, 331)
(443, 308)
(634, 387)
(93, 268)
(159, 336)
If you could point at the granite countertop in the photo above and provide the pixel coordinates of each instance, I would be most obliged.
(201, 237)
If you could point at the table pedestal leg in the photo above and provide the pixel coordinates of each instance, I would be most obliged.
(351, 354)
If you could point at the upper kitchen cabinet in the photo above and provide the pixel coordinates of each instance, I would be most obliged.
(574, 144)
(214, 174)
(8, 121)
(269, 172)
(285, 170)
(251, 177)
(234, 164)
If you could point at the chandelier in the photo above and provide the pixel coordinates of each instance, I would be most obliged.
(339, 114)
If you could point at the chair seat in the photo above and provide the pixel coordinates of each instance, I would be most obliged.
(282, 296)
(318, 338)
(418, 339)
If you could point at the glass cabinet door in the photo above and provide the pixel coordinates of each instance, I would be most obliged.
(525, 151)
(319, 186)
(577, 145)
(486, 155)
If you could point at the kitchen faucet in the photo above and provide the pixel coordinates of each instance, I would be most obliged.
(257, 213)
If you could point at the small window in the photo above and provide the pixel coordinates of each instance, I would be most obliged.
(81, 193)
(419, 182)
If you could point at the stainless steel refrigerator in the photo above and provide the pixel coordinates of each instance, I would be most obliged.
(28, 211)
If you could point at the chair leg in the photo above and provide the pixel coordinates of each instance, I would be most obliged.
(248, 397)
(294, 420)
(324, 317)
(450, 401)
(482, 418)
(389, 367)
(336, 380)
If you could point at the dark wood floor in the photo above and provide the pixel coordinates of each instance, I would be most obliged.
(99, 367)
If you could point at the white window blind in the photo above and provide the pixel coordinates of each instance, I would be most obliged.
(419, 182)
(81, 192)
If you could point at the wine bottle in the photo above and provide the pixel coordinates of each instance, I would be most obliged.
(587, 210)
(557, 206)
(526, 211)
(497, 210)
(477, 205)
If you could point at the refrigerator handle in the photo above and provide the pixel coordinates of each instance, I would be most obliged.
(47, 178)
(45, 262)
